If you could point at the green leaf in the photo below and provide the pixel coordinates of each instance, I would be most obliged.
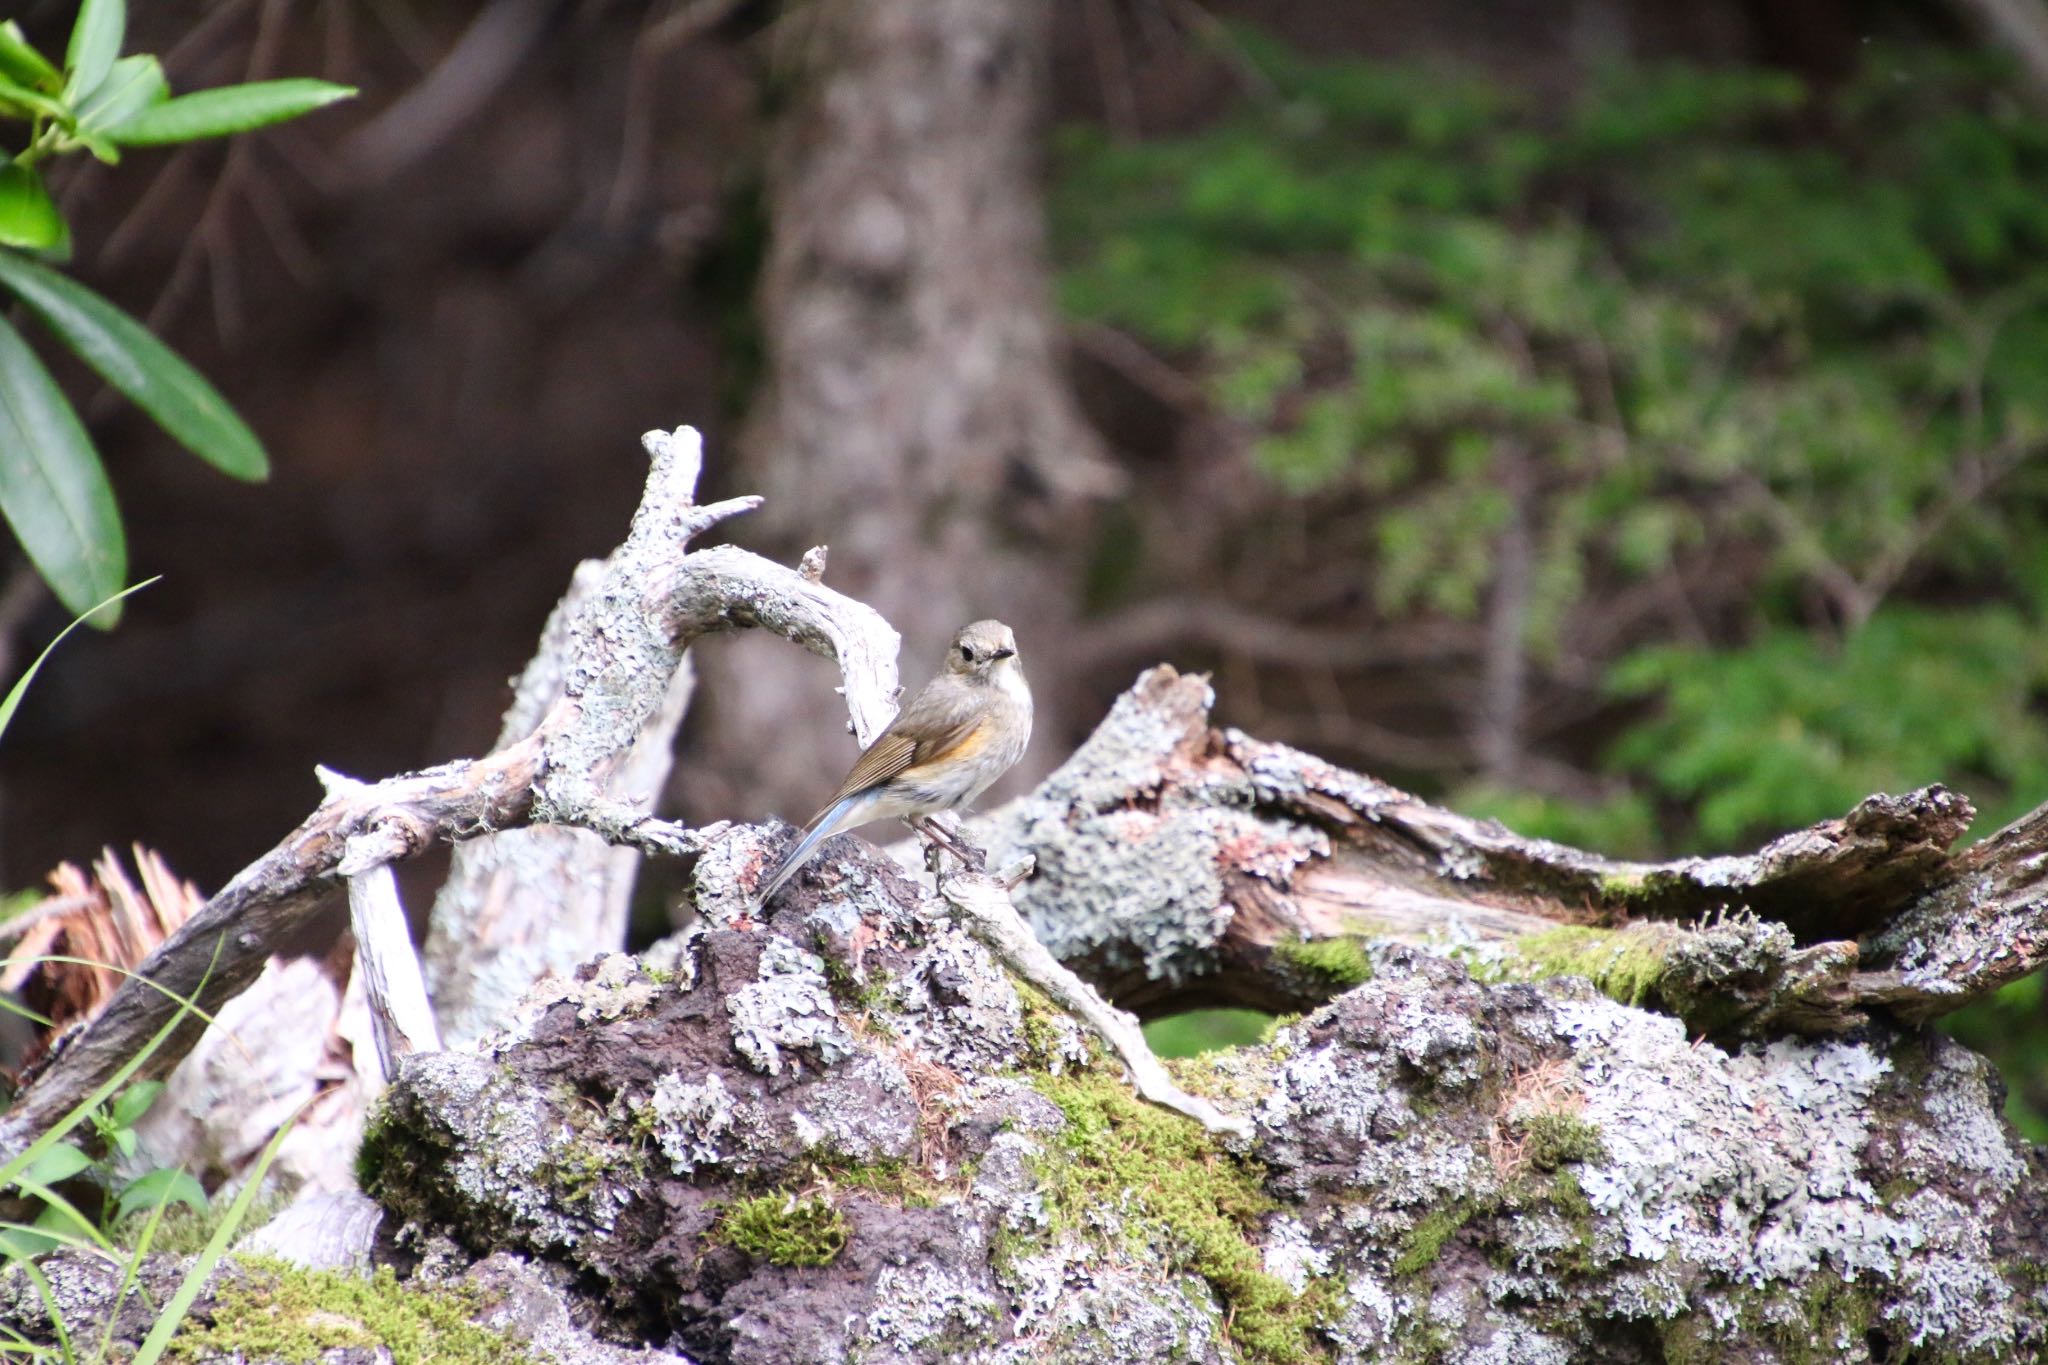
(22, 102)
(12, 701)
(95, 42)
(19, 61)
(138, 1257)
(12, 1169)
(61, 1162)
(134, 1103)
(28, 216)
(22, 1243)
(140, 366)
(158, 1188)
(61, 1214)
(228, 109)
(135, 84)
(53, 490)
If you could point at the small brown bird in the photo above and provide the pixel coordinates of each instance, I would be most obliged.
(967, 728)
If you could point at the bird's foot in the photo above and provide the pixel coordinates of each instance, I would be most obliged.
(940, 840)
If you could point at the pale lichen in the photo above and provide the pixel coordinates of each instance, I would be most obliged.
(789, 1008)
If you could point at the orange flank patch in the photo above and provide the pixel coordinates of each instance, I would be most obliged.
(971, 744)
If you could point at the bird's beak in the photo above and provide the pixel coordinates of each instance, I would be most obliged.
(1006, 654)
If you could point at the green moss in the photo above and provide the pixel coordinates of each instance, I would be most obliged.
(278, 1312)
(1046, 1032)
(1234, 1075)
(389, 1167)
(1271, 1032)
(1425, 1241)
(1181, 1196)
(1570, 1197)
(582, 1167)
(1335, 964)
(784, 1229)
(1620, 886)
(185, 1231)
(1624, 964)
(892, 1181)
(1553, 1139)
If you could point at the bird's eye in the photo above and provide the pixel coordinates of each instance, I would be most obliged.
(967, 653)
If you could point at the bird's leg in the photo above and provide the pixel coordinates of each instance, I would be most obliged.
(946, 834)
(939, 837)
(934, 850)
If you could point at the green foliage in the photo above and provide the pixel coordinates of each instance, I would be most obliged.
(1623, 825)
(785, 1229)
(64, 1162)
(112, 1110)
(1388, 274)
(54, 491)
(1705, 317)
(1794, 727)
(1196, 1031)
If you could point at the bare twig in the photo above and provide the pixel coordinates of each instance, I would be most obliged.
(985, 902)
(400, 1018)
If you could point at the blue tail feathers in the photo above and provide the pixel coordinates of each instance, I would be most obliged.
(841, 814)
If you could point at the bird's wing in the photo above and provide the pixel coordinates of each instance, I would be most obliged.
(935, 723)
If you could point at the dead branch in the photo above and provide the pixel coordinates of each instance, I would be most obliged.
(1183, 865)
(625, 647)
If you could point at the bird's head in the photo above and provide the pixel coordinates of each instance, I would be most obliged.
(981, 650)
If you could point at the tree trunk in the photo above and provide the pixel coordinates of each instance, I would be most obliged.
(914, 411)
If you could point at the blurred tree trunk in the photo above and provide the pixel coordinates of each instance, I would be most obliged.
(914, 410)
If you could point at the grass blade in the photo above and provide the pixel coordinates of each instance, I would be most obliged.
(50, 1306)
(167, 1322)
(130, 1271)
(12, 702)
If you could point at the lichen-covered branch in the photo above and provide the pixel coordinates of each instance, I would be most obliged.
(520, 903)
(1180, 864)
(1980, 925)
(624, 646)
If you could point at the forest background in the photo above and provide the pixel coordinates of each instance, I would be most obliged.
(1620, 417)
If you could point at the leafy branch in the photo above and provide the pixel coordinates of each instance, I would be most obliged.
(54, 490)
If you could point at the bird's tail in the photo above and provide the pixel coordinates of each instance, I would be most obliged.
(841, 814)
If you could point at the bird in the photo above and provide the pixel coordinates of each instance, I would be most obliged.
(966, 728)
